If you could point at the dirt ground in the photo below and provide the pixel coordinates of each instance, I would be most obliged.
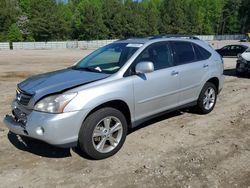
(180, 149)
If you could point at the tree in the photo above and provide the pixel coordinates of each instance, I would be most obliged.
(14, 34)
(173, 19)
(87, 21)
(244, 13)
(152, 18)
(9, 12)
(47, 21)
(134, 23)
(112, 14)
(230, 19)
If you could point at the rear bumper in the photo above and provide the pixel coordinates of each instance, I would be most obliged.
(55, 129)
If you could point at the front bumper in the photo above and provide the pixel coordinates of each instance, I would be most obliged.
(243, 67)
(56, 129)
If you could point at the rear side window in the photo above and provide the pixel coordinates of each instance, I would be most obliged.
(183, 52)
(201, 53)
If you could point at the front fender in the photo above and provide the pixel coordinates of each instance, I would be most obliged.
(90, 98)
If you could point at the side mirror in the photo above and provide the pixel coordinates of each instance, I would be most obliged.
(144, 67)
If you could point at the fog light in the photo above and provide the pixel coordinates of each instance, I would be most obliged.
(40, 131)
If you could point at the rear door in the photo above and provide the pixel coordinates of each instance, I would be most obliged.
(193, 69)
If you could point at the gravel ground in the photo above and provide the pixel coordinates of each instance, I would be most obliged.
(180, 149)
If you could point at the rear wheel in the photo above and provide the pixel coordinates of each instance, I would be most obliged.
(103, 133)
(207, 98)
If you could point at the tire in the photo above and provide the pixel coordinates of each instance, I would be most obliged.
(108, 140)
(207, 100)
(237, 72)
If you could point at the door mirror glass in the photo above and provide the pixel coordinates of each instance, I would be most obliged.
(144, 67)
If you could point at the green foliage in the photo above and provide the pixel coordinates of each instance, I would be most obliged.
(87, 21)
(14, 34)
(112, 15)
(45, 20)
(244, 15)
(173, 16)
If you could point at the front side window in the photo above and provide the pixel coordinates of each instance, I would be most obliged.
(159, 54)
(226, 48)
(183, 52)
(108, 59)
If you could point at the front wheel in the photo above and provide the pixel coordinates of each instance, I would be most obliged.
(207, 98)
(103, 133)
(238, 71)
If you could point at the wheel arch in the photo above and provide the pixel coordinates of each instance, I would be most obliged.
(117, 104)
(214, 81)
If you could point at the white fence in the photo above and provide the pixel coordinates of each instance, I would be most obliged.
(4, 46)
(39, 45)
(64, 44)
(94, 43)
(220, 37)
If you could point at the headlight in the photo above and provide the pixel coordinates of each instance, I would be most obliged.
(54, 103)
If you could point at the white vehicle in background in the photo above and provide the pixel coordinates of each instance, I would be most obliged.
(243, 63)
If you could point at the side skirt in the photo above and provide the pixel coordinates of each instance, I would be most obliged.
(139, 122)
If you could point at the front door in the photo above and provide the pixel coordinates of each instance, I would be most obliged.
(157, 91)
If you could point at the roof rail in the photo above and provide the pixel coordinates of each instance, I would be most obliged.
(130, 38)
(174, 36)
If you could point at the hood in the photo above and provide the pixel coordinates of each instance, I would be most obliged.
(58, 81)
(246, 56)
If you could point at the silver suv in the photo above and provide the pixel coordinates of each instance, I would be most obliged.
(93, 103)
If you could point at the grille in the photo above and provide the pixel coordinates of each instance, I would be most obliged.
(23, 98)
(19, 116)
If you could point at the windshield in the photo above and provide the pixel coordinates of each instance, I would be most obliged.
(108, 59)
(248, 50)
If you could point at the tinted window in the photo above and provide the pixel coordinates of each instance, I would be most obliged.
(201, 53)
(183, 52)
(159, 54)
(235, 47)
(226, 48)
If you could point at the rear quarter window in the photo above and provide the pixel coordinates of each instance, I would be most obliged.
(201, 53)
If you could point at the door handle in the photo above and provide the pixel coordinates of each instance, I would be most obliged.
(205, 65)
(174, 73)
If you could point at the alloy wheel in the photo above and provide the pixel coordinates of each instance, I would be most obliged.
(107, 134)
